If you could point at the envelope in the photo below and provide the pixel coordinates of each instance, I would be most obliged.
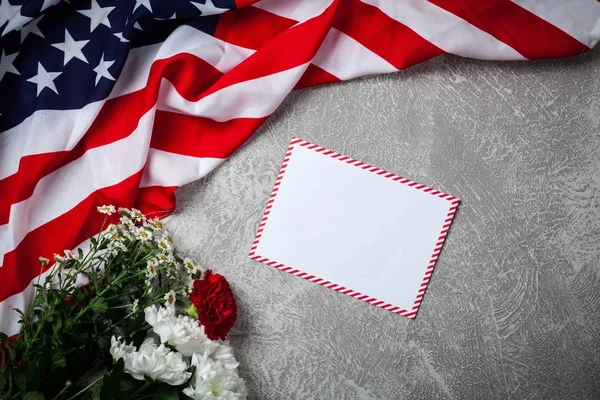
(354, 228)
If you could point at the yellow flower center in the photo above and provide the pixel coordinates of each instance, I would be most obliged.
(171, 299)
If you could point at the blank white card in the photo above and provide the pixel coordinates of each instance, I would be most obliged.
(354, 228)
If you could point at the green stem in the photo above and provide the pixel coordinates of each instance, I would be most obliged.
(61, 392)
(86, 388)
(141, 389)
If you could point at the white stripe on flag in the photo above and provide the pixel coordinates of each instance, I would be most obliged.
(170, 169)
(298, 10)
(579, 18)
(185, 39)
(67, 186)
(255, 98)
(345, 58)
(445, 30)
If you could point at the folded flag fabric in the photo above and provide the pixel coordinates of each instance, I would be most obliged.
(122, 102)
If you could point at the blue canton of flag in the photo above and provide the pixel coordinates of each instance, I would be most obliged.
(64, 55)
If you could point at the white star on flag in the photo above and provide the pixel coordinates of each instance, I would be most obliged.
(102, 70)
(136, 25)
(97, 15)
(48, 3)
(32, 27)
(44, 79)
(6, 64)
(72, 48)
(16, 20)
(144, 3)
(7, 11)
(122, 38)
(208, 8)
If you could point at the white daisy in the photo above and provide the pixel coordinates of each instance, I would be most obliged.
(108, 210)
(151, 271)
(135, 305)
(172, 273)
(190, 266)
(166, 258)
(165, 245)
(156, 223)
(44, 261)
(137, 215)
(143, 234)
(170, 298)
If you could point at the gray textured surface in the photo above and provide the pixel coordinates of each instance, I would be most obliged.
(512, 311)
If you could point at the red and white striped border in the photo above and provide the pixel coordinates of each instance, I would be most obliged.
(353, 293)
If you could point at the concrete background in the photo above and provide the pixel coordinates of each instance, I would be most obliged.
(513, 308)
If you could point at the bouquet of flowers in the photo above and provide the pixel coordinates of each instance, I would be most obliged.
(130, 319)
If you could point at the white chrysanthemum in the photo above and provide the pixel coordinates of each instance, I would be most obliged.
(118, 349)
(151, 271)
(157, 363)
(181, 332)
(108, 210)
(170, 298)
(212, 381)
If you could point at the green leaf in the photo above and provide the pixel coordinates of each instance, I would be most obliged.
(5, 345)
(111, 382)
(32, 375)
(106, 389)
(34, 396)
(127, 384)
(58, 359)
(99, 305)
(166, 392)
(21, 380)
(80, 254)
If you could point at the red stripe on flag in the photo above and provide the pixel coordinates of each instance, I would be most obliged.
(156, 201)
(315, 76)
(294, 47)
(251, 27)
(201, 137)
(386, 37)
(21, 265)
(530, 35)
(116, 120)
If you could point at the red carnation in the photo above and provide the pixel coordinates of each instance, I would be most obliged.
(215, 304)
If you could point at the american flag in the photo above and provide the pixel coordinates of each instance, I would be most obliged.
(123, 101)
